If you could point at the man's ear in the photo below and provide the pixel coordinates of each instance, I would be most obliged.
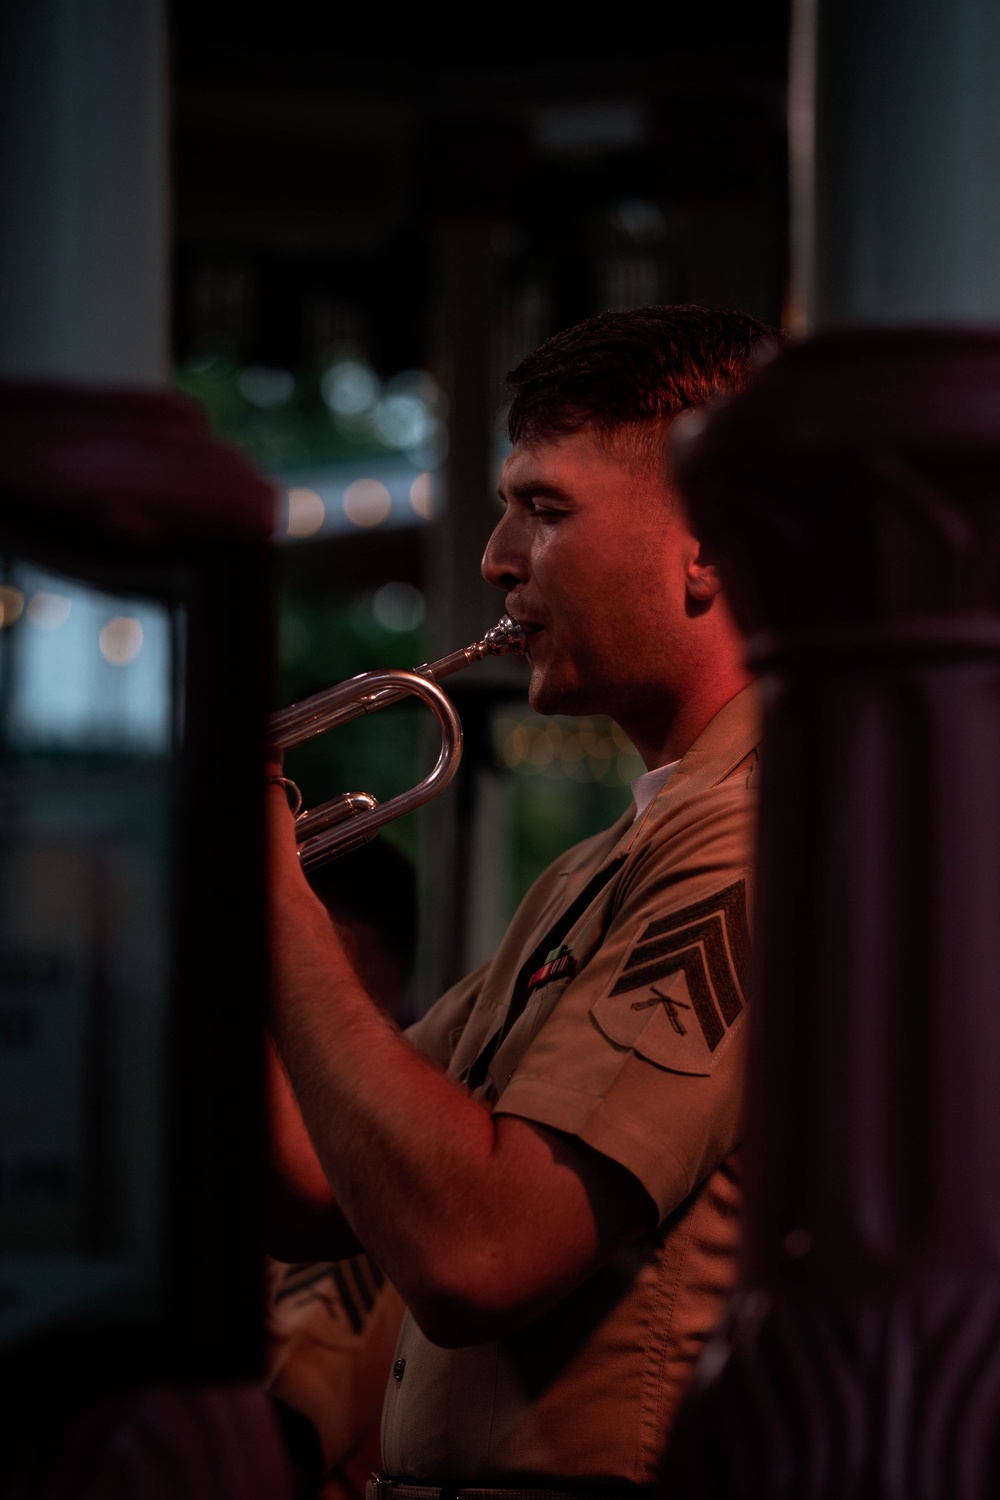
(702, 575)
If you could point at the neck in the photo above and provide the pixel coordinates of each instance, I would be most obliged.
(671, 734)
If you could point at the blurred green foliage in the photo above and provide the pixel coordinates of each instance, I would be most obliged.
(550, 813)
(297, 430)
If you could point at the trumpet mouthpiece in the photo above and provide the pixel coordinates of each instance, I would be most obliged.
(505, 639)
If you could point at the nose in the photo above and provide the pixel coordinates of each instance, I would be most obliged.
(505, 559)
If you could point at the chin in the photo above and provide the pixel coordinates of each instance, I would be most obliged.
(540, 695)
(557, 697)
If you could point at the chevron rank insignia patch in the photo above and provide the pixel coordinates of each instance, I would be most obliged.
(683, 984)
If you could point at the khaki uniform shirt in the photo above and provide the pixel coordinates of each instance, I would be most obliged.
(331, 1330)
(632, 1038)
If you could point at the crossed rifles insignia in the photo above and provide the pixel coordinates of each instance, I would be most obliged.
(708, 944)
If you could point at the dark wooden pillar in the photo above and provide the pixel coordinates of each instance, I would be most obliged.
(856, 492)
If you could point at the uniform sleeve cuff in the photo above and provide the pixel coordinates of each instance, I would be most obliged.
(607, 1131)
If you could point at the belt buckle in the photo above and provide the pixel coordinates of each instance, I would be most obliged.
(379, 1486)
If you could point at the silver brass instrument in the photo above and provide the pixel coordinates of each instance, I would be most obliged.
(346, 822)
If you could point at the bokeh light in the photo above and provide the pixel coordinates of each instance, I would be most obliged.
(121, 640)
(265, 386)
(398, 607)
(306, 512)
(367, 502)
(11, 604)
(582, 749)
(422, 496)
(350, 388)
(402, 422)
(47, 611)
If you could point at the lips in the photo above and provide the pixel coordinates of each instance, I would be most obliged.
(525, 621)
(531, 630)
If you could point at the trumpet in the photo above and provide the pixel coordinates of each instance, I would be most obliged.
(346, 822)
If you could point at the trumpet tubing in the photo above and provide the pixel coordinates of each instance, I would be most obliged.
(350, 820)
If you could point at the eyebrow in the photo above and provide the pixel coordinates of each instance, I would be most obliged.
(526, 490)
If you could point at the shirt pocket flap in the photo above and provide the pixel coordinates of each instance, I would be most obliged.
(660, 1030)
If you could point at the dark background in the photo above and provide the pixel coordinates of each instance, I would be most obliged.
(317, 151)
(420, 193)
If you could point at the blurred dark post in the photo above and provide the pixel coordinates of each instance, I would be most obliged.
(464, 604)
(857, 491)
(471, 169)
(132, 932)
(83, 190)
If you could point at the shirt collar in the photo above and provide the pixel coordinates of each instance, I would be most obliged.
(646, 786)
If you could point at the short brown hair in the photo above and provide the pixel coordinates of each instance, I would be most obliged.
(625, 374)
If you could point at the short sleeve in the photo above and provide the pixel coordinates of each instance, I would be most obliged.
(642, 1056)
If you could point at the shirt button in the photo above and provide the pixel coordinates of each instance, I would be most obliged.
(397, 1370)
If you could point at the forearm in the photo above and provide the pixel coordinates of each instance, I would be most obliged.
(405, 1151)
(304, 1222)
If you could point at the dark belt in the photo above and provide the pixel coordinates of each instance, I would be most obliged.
(384, 1487)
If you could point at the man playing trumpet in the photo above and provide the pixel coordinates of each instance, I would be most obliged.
(544, 1165)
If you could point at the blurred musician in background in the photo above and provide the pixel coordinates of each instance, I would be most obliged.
(544, 1165)
(332, 1325)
